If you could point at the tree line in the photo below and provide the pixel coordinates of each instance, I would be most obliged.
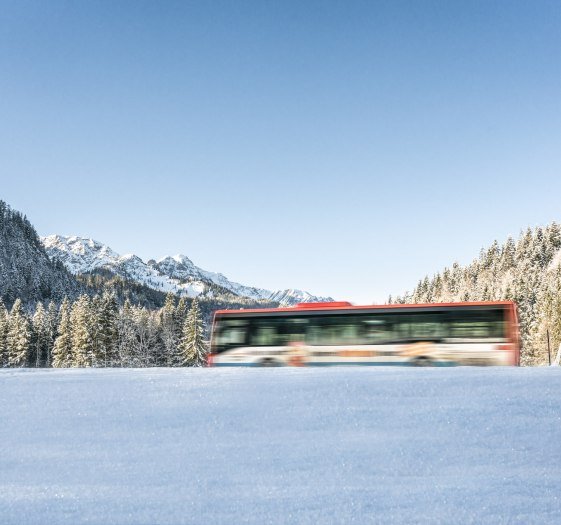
(98, 332)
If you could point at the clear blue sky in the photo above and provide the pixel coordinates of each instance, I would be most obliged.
(346, 148)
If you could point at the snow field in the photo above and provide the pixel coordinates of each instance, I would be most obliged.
(341, 445)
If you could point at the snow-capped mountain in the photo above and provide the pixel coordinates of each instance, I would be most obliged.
(177, 274)
(182, 268)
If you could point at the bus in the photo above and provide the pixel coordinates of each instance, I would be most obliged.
(338, 333)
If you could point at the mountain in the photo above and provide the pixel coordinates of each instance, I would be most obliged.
(526, 270)
(182, 268)
(26, 271)
(176, 274)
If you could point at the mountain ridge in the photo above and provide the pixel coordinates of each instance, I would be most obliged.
(176, 274)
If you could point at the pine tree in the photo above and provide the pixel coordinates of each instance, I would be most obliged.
(181, 311)
(62, 350)
(553, 240)
(103, 330)
(82, 330)
(108, 325)
(146, 330)
(95, 332)
(19, 336)
(126, 336)
(508, 255)
(169, 330)
(51, 331)
(40, 336)
(193, 347)
(3, 334)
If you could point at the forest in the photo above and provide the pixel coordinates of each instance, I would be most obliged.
(97, 332)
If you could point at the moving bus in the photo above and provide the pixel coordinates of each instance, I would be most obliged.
(338, 333)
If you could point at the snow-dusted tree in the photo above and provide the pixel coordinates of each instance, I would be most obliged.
(508, 255)
(169, 330)
(103, 330)
(95, 332)
(180, 314)
(109, 314)
(146, 330)
(552, 240)
(19, 336)
(41, 339)
(3, 335)
(193, 347)
(126, 337)
(51, 330)
(81, 321)
(62, 355)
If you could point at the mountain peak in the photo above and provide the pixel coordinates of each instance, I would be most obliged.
(175, 259)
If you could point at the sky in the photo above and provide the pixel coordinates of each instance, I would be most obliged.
(345, 148)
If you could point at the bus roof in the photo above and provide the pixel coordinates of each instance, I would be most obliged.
(338, 306)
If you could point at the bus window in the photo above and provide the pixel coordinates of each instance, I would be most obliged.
(377, 330)
(477, 325)
(271, 331)
(334, 330)
(292, 330)
(264, 336)
(420, 327)
(232, 333)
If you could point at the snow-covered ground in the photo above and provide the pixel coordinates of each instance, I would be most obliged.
(228, 446)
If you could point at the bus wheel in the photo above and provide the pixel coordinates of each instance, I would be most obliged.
(422, 361)
(269, 362)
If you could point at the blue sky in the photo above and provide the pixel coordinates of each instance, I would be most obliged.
(346, 148)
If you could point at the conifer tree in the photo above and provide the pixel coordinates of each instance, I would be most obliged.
(126, 336)
(146, 331)
(179, 315)
(508, 255)
(193, 347)
(19, 336)
(62, 350)
(51, 330)
(95, 331)
(3, 335)
(108, 325)
(81, 320)
(169, 330)
(40, 336)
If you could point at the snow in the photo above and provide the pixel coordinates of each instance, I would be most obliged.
(555, 261)
(342, 445)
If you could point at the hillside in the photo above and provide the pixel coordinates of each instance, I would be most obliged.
(526, 270)
(26, 271)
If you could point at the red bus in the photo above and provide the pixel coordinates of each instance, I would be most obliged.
(338, 333)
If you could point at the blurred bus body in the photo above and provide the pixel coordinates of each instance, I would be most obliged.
(322, 334)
